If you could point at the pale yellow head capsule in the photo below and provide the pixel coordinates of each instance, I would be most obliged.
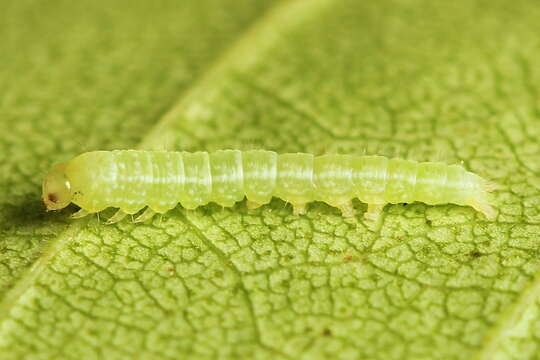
(56, 188)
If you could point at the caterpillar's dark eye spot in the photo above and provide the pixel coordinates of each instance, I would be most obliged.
(52, 197)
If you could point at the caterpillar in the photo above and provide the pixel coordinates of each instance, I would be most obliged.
(131, 180)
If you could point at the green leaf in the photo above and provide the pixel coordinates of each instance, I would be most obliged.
(452, 81)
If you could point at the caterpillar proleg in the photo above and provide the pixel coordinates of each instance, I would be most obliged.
(131, 180)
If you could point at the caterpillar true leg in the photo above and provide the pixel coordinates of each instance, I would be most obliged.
(346, 209)
(374, 211)
(253, 205)
(118, 216)
(299, 209)
(79, 214)
(146, 215)
(373, 216)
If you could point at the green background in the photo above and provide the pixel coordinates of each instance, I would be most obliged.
(425, 80)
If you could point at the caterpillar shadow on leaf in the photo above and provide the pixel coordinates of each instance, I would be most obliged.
(27, 211)
(154, 182)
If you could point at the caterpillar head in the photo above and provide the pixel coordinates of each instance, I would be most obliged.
(56, 188)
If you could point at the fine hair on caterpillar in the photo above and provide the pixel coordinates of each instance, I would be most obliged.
(132, 180)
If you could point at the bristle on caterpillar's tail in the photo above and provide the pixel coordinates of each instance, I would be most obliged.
(490, 186)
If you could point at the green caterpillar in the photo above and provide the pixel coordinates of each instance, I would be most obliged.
(158, 180)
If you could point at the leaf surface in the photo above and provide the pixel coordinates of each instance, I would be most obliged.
(424, 80)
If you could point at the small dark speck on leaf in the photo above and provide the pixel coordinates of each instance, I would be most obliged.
(348, 258)
(327, 332)
(475, 254)
(428, 222)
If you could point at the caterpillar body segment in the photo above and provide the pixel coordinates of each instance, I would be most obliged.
(131, 180)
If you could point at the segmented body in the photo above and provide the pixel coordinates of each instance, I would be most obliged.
(131, 180)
